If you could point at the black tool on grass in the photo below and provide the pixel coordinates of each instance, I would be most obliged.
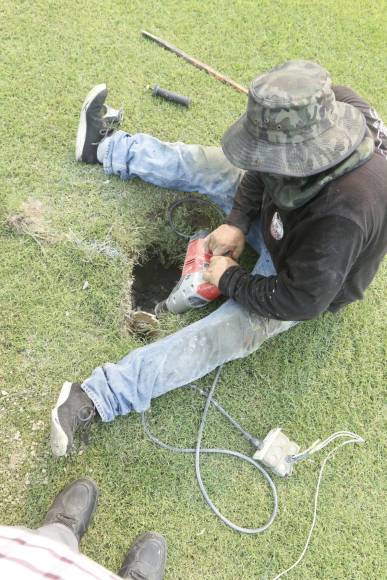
(169, 96)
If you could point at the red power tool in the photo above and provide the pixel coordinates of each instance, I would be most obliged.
(191, 291)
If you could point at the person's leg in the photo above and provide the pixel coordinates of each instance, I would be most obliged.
(147, 555)
(178, 166)
(188, 168)
(148, 372)
(264, 265)
(228, 333)
(59, 533)
(115, 389)
(70, 513)
(172, 165)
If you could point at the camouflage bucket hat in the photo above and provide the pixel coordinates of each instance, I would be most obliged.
(293, 124)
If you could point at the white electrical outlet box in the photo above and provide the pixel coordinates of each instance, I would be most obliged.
(275, 451)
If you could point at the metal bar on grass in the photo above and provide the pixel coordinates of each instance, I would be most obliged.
(201, 65)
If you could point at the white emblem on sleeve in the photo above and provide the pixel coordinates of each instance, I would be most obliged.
(277, 227)
(381, 132)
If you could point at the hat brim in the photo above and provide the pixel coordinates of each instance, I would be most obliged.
(313, 156)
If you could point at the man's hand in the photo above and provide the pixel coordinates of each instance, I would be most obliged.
(218, 265)
(225, 240)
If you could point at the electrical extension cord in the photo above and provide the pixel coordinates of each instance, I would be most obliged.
(354, 438)
(198, 450)
(276, 451)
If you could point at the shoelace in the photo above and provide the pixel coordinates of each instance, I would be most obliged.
(82, 423)
(104, 132)
(110, 120)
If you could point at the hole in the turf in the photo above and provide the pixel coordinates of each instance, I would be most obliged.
(153, 281)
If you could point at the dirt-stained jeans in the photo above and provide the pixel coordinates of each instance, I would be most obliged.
(228, 333)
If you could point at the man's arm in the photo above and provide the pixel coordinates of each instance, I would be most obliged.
(229, 238)
(311, 278)
(247, 202)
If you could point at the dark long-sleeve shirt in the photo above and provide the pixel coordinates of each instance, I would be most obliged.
(331, 247)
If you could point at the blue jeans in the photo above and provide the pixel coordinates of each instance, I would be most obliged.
(228, 333)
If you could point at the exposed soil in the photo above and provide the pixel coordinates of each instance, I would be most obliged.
(31, 221)
(152, 283)
(198, 220)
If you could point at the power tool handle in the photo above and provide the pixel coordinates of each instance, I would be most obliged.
(169, 96)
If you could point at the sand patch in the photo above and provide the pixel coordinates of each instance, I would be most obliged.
(32, 221)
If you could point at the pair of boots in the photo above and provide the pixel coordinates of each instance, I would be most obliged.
(74, 507)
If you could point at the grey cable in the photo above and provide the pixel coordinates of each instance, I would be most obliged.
(193, 200)
(257, 443)
(198, 450)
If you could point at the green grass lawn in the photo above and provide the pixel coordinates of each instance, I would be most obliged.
(323, 376)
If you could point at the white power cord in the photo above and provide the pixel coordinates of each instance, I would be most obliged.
(354, 439)
(318, 445)
(292, 459)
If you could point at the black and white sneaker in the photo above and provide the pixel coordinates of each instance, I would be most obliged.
(96, 121)
(73, 411)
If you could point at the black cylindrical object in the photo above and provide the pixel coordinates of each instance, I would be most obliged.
(174, 97)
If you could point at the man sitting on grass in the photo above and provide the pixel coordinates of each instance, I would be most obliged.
(302, 177)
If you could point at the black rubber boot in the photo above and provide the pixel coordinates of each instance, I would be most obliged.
(146, 558)
(73, 410)
(96, 121)
(74, 506)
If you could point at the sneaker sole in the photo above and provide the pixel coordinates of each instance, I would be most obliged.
(59, 439)
(82, 127)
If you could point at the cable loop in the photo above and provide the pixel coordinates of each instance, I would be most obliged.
(352, 438)
(189, 199)
(198, 450)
